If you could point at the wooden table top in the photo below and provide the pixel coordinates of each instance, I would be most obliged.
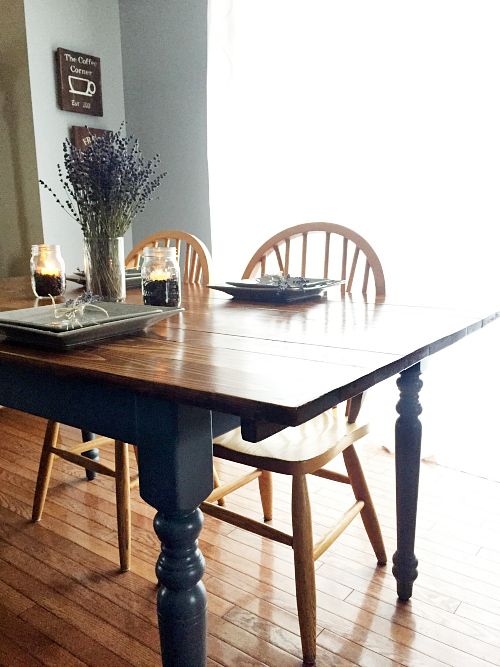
(280, 363)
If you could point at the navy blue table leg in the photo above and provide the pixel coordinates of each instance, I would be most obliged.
(182, 599)
(408, 441)
(176, 475)
(92, 454)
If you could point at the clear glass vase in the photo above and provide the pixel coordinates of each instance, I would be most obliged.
(105, 267)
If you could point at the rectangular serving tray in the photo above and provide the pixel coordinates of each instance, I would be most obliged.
(39, 326)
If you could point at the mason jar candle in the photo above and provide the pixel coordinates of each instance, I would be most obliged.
(47, 270)
(160, 275)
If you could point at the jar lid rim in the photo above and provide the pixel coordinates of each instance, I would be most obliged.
(47, 247)
(160, 251)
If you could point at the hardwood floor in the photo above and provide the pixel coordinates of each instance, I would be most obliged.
(64, 603)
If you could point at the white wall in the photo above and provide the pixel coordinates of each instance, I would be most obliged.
(86, 26)
(164, 46)
(380, 116)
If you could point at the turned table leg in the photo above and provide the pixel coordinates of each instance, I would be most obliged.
(176, 475)
(408, 441)
(182, 598)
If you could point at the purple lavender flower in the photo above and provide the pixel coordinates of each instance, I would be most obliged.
(107, 184)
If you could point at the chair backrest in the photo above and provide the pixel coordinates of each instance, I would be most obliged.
(270, 255)
(195, 259)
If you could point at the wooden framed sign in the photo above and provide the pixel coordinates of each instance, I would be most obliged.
(79, 82)
(82, 137)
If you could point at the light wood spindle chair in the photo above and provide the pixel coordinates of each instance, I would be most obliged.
(192, 254)
(277, 254)
(197, 265)
(120, 472)
(196, 262)
(306, 449)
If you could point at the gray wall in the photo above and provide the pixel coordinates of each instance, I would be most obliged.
(87, 26)
(164, 45)
(20, 214)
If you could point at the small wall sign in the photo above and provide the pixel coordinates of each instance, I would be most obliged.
(82, 137)
(79, 82)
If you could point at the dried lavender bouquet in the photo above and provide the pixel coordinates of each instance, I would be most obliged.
(106, 185)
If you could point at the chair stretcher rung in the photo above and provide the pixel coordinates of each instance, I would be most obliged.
(134, 483)
(326, 541)
(88, 464)
(229, 487)
(244, 522)
(331, 475)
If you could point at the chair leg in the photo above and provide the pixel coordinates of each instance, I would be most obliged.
(305, 582)
(266, 494)
(353, 406)
(221, 501)
(45, 469)
(122, 479)
(361, 492)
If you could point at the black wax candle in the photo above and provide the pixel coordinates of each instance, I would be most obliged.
(47, 284)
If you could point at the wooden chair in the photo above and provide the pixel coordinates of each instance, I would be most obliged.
(195, 259)
(197, 265)
(121, 474)
(352, 244)
(349, 246)
(308, 448)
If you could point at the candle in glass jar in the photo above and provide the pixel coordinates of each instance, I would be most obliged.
(160, 277)
(48, 279)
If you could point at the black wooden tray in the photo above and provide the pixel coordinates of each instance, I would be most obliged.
(40, 327)
(252, 290)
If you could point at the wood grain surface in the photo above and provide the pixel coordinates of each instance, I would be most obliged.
(279, 363)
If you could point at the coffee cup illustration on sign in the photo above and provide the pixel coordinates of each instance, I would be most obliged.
(80, 86)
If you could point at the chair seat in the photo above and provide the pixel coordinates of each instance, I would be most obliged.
(295, 450)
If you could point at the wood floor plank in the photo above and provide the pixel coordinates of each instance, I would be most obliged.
(254, 646)
(277, 636)
(490, 619)
(428, 622)
(52, 573)
(11, 655)
(91, 652)
(229, 656)
(34, 642)
(47, 586)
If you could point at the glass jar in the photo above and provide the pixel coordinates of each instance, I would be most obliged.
(48, 276)
(161, 284)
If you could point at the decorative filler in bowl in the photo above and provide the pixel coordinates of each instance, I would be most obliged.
(106, 186)
(282, 282)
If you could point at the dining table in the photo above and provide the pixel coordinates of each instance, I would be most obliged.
(224, 361)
